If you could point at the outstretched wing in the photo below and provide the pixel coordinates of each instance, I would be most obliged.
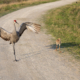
(30, 26)
(33, 27)
(22, 28)
(5, 34)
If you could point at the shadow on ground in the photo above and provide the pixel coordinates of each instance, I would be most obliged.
(64, 45)
(28, 55)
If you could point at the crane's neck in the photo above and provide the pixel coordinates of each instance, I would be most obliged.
(14, 31)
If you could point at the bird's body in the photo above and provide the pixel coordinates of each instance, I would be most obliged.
(58, 42)
(14, 36)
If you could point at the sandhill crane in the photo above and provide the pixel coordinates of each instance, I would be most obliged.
(58, 42)
(14, 36)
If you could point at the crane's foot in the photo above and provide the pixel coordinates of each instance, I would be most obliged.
(16, 60)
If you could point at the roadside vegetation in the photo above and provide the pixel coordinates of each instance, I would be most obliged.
(64, 23)
(9, 1)
(7, 6)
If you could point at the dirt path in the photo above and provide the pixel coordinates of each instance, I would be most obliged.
(37, 60)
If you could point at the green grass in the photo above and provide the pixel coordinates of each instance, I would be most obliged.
(64, 23)
(9, 8)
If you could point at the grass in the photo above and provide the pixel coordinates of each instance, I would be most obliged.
(64, 23)
(9, 1)
(7, 8)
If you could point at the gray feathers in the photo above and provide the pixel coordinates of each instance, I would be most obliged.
(15, 35)
(29, 26)
(5, 34)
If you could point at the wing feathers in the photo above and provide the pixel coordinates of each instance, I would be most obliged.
(29, 26)
(4, 34)
(37, 27)
(33, 27)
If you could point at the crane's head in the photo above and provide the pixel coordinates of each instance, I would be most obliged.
(15, 21)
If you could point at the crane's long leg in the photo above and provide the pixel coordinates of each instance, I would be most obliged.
(14, 51)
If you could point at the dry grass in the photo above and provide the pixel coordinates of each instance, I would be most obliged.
(22, 2)
(12, 6)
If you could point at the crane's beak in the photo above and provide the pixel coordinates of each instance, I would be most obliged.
(17, 22)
